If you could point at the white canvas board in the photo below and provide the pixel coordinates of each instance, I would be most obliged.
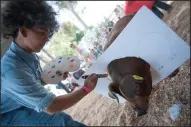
(148, 37)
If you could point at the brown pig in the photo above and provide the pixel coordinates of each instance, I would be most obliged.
(131, 79)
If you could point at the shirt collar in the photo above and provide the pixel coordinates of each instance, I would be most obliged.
(29, 58)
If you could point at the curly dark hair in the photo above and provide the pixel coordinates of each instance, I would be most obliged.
(27, 14)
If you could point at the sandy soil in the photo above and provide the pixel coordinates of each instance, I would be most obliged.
(96, 109)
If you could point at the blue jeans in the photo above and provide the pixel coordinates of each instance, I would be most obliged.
(161, 5)
(29, 117)
(157, 12)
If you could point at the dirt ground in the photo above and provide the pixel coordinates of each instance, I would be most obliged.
(96, 109)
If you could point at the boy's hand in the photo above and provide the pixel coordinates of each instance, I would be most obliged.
(91, 81)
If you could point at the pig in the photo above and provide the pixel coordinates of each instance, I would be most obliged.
(131, 79)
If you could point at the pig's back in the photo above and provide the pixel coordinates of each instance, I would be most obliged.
(128, 65)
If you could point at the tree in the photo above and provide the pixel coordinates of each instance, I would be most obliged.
(79, 36)
(60, 43)
(69, 29)
(70, 6)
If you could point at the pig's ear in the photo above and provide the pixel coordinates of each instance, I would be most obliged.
(129, 87)
(111, 91)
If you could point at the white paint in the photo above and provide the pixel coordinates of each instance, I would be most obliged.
(148, 37)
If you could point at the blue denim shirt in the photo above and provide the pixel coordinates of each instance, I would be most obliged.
(20, 82)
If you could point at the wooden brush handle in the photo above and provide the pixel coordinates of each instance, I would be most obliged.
(98, 75)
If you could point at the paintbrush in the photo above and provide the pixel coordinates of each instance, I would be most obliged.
(98, 75)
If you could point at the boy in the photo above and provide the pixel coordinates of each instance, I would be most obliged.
(24, 100)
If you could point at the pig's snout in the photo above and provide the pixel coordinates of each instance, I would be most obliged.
(140, 112)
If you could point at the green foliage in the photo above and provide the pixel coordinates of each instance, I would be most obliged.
(70, 5)
(79, 36)
(65, 4)
(60, 43)
(61, 5)
(67, 34)
(69, 29)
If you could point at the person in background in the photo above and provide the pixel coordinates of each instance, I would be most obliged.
(110, 25)
(93, 52)
(24, 99)
(119, 11)
(132, 7)
(96, 46)
(84, 54)
(97, 50)
(100, 48)
(162, 5)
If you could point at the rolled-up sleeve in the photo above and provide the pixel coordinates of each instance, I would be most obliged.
(23, 87)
